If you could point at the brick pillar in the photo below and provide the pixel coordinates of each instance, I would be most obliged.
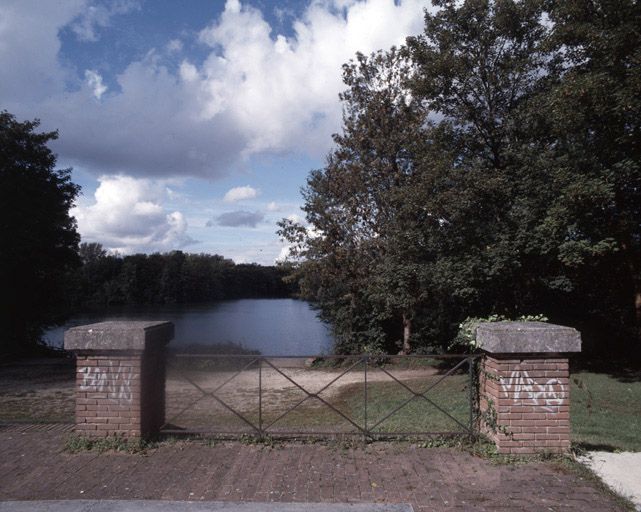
(120, 377)
(524, 385)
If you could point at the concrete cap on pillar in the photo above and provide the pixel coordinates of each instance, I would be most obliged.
(119, 335)
(521, 337)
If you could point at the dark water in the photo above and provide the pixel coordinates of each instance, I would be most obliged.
(271, 326)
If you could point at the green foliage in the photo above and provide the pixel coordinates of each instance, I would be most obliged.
(172, 278)
(489, 166)
(39, 238)
(466, 336)
(76, 444)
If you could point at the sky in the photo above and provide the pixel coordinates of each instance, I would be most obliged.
(190, 124)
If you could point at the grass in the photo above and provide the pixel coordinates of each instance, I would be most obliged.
(77, 444)
(413, 416)
(417, 415)
(605, 412)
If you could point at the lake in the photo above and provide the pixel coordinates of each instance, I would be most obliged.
(271, 326)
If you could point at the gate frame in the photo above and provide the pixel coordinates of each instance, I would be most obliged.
(366, 430)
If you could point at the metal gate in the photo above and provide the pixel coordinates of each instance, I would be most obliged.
(322, 396)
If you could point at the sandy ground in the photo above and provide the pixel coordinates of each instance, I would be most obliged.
(277, 386)
(43, 390)
(621, 471)
(39, 390)
(189, 406)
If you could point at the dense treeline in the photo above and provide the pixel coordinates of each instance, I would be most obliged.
(491, 165)
(171, 278)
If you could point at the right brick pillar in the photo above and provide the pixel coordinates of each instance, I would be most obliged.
(524, 385)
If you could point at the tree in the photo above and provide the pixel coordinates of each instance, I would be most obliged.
(595, 118)
(353, 206)
(40, 241)
(91, 252)
(508, 184)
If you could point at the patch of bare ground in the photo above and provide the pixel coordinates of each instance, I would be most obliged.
(39, 390)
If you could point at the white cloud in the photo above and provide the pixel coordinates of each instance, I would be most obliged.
(257, 91)
(284, 90)
(240, 194)
(273, 207)
(98, 15)
(127, 215)
(296, 219)
(94, 81)
(283, 255)
(29, 47)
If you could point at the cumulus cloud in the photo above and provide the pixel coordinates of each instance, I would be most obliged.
(285, 89)
(240, 194)
(239, 218)
(273, 207)
(127, 215)
(98, 15)
(257, 91)
(94, 80)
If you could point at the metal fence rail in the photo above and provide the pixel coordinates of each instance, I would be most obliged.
(363, 395)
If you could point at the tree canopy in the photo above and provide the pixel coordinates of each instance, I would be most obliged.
(39, 237)
(489, 166)
(175, 277)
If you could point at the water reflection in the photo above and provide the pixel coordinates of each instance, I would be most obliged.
(271, 326)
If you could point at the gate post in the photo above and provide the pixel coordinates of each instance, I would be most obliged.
(120, 377)
(524, 385)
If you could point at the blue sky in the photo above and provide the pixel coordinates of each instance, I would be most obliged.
(190, 124)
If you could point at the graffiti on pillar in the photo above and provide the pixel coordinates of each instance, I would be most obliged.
(117, 382)
(546, 395)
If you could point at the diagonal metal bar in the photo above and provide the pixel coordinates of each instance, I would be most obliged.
(287, 412)
(235, 375)
(191, 404)
(230, 409)
(324, 387)
(205, 393)
(465, 427)
(315, 395)
(415, 394)
(340, 414)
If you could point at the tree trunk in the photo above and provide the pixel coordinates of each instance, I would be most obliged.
(407, 332)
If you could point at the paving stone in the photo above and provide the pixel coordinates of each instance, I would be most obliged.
(35, 468)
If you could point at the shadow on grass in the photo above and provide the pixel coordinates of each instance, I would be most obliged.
(582, 447)
(623, 369)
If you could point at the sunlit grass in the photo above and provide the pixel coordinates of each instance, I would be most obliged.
(605, 412)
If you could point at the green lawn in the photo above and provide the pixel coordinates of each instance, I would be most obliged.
(605, 412)
(449, 397)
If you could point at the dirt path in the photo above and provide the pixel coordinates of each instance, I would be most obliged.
(280, 385)
(42, 390)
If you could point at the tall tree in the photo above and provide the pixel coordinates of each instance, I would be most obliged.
(595, 109)
(507, 183)
(40, 242)
(352, 205)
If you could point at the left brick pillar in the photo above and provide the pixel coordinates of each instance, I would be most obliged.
(120, 377)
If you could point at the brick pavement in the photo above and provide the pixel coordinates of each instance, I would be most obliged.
(34, 465)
